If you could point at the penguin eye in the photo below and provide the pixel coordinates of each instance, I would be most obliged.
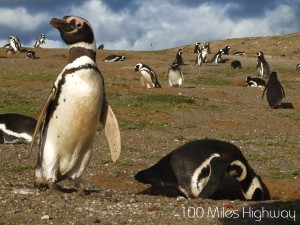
(78, 25)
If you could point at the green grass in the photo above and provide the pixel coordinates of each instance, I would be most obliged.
(17, 169)
(26, 76)
(290, 115)
(210, 80)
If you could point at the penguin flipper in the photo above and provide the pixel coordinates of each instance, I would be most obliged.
(41, 119)
(111, 129)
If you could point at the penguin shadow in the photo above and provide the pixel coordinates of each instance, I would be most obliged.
(229, 189)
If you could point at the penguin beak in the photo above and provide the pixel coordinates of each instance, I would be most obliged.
(62, 25)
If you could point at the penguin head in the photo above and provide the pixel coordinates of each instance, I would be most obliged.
(273, 75)
(74, 30)
(43, 36)
(138, 67)
(175, 66)
(259, 54)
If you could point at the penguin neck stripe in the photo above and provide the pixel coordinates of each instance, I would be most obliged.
(12, 133)
(76, 52)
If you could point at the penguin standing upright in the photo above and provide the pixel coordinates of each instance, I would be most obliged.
(175, 75)
(262, 65)
(149, 77)
(69, 119)
(197, 47)
(15, 43)
(178, 59)
(275, 91)
(217, 58)
(40, 40)
(197, 169)
(16, 128)
(226, 50)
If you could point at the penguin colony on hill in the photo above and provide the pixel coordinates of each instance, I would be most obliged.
(197, 169)
(148, 76)
(40, 40)
(16, 128)
(275, 92)
(174, 75)
(76, 104)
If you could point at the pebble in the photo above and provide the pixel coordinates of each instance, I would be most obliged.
(45, 217)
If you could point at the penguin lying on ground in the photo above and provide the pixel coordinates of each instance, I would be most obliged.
(197, 169)
(114, 58)
(255, 82)
(148, 77)
(239, 53)
(16, 128)
(30, 55)
(69, 119)
(174, 75)
(262, 65)
(275, 91)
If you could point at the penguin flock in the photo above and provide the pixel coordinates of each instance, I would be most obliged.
(195, 169)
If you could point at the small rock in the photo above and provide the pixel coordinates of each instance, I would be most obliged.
(45, 217)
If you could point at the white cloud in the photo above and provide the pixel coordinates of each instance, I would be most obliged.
(154, 24)
(20, 19)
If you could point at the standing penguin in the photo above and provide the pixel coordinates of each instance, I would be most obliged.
(197, 169)
(262, 65)
(275, 92)
(226, 50)
(16, 128)
(178, 60)
(175, 75)
(40, 40)
(217, 58)
(15, 43)
(69, 119)
(148, 77)
(197, 47)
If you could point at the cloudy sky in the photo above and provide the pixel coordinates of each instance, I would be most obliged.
(150, 24)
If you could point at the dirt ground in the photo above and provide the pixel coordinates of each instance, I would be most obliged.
(222, 108)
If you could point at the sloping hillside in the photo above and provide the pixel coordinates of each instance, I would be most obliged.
(213, 103)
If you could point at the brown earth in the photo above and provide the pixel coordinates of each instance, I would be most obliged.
(269, 139)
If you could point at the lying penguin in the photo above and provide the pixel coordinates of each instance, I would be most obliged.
(16, 128)
(198, 168)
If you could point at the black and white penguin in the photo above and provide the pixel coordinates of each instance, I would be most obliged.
(15, 43)
(239, 53)
(197, 168)
(178, 59)
(218, 57)
(174, 75)
(30, 55)
(275, 91)
(207, 45)
(40, 40)
(255, 82)
(202, 55)
(101, 47)
(114, 58)
(199, 59)
(68, 122)
(226, 50)
(149, 77)
(16, 128)
(298, 66)
(197, 47)
(262, 65)
(236, 64)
